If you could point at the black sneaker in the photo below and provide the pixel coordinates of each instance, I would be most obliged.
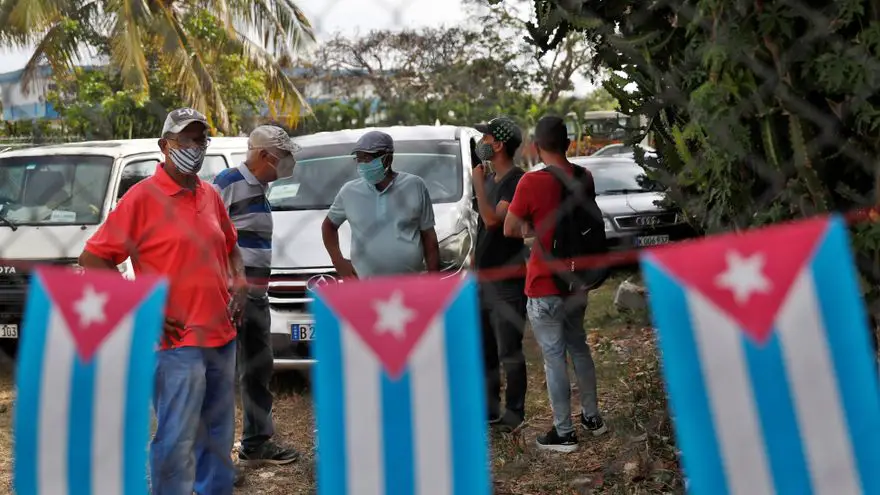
(594, 424)
(239, 477)
(268, 453)
(507, 423)
(553, 441)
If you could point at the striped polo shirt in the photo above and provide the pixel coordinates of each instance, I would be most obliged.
(245, 198)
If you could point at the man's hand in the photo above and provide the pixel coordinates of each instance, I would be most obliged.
(239, 300)
(172, 332)
(479, 176)
(345, 269)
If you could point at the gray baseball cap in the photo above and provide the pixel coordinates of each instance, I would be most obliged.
(271, 137)
(374, 142)
(177, 120)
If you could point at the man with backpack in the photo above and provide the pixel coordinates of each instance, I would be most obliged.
(558, 205)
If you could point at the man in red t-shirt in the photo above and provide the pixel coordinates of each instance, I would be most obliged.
(557, 319)
(176, 225)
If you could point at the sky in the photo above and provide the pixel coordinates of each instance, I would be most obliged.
(350, 17)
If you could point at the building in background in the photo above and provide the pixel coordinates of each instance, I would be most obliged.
(19, 105)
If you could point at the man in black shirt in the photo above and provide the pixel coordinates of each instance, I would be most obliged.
(502, 301)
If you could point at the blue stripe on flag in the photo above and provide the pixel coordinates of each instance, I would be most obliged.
(775, 407)
(467, 397)
(397, 433)
(147, 322)
(29, 378)
(843, 315)
(79, 424)
(683, 374)
(330, 406)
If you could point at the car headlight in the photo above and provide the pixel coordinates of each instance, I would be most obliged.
(609, 227)
(454, 250)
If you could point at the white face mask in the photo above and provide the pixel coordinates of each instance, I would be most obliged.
(284, 167)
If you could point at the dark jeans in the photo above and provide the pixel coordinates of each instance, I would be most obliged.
(503, 315)
(255, 373)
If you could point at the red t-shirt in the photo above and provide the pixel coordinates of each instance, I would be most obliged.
(535, 201)
(186, 236)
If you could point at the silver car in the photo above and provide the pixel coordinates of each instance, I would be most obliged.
(440, 155)
(629, 203)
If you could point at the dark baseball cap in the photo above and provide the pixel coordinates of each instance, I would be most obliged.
(177, 120)
(502, 129)
(551, 133)
(374, 142)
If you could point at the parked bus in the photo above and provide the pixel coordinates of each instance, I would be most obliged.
(592, 131)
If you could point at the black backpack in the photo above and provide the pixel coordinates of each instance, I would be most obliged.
(579, 232)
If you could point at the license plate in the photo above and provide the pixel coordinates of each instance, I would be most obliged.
(302, 332)
(652, 240)
(8, 331)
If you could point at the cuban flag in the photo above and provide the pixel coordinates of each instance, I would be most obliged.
(85, 380)
(768, 363)
(399, 393)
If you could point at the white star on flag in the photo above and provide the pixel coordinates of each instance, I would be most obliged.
(744, 276)
(90, 307)
(393, 315)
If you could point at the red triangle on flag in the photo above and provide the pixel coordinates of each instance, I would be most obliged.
(391, 314)
(747, 275)
(93, 303)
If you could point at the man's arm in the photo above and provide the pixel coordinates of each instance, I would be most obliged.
(514, 226)
(431, 247)
(519, 211)
(330, 235)
(115, 239)
(430, 244)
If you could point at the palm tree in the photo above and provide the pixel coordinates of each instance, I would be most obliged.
(267, 33)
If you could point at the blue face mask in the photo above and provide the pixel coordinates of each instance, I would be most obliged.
(373, 171)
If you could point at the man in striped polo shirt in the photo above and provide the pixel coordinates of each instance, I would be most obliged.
(243, 189)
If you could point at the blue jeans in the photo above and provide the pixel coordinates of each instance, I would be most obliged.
(194, 402)
(558, 325)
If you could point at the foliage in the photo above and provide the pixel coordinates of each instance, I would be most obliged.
(763, 111)
(96, 104)
(137, 37)
(459, 75)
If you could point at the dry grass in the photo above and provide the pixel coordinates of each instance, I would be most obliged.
(638, 456)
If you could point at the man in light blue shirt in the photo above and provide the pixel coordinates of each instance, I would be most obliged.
(390, 214)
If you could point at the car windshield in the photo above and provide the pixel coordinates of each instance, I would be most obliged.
(54, 189)
(322, 170)
(621, 178)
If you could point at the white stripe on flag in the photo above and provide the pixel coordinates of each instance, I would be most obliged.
(57, 376)
(363, 415)
(723, 361)
(811, 373)
(108, 426)
(430, 405)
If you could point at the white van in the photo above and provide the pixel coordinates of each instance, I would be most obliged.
(440, 155)
(52, 199)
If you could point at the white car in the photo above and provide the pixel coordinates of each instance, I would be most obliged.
(53, 198)
(440, 155)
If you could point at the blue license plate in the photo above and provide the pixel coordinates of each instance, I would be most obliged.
(302, 332)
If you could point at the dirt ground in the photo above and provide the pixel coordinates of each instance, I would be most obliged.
(637, 456)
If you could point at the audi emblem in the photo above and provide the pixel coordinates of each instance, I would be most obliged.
(317, 281)
(647, 221)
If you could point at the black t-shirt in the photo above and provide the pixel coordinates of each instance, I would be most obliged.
(493, 249)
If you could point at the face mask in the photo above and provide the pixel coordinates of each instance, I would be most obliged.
(484, 151)
(187, 160)
(284, 167)
(372, 172)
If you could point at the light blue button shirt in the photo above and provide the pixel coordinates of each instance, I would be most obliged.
(386, 226)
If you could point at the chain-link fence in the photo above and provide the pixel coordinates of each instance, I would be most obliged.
(752, 114)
